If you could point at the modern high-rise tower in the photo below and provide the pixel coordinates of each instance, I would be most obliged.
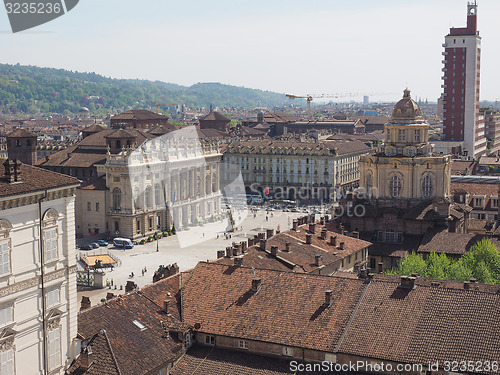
(462, 55)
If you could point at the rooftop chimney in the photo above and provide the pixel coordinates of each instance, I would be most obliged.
(317, 260)
(295, 225)
(263, 244)
(466, 285)
(109, 296)
(165, 306)
(256, 284)
(229, 252)
(355, 234)
(244, 246)
(220, 254)
(86, 358)
(262, 236)
(85, 303)
(342, 245)
(130, 286)
(312, 228)
(287, 246)
(328, 298)
(407, 282)
(324, 234)
(322, 220)
(274, 251)
(308, 238)
(269, 233)
(238, 261)
(333, 240)
(250, 242)
(12, 170)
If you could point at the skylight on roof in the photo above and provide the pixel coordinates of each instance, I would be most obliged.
(141, 326)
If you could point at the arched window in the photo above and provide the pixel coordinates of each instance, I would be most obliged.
(427, 187)
(395, 187)
(214, 183)
(117, 199)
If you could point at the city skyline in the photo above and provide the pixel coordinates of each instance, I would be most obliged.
(292, 47)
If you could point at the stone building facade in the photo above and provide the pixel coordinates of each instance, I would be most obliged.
(302, 171)
(38, 303)
(166, 178)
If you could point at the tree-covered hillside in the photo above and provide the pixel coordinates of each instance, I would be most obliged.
(30, 89)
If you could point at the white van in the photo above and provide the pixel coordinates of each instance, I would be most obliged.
(123, 242)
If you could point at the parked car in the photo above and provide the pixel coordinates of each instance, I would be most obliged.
(102, 243)
(317, 212)
(94, 245)
(305, 211)
(295, 209)
(86, 247)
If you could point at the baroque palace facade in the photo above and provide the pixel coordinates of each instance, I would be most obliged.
(172, 177)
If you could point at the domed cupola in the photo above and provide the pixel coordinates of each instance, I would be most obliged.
(406, 111)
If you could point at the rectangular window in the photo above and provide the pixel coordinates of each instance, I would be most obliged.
(50, 244)
(210, 340)
(417, 135)
(400, 237)
(116, 179)
(7, 362)
(5, 316)
(4, 258)
(401, 135)
(243, 344)
(52, 297)
(330, 357)
(288, 351)
(138, 226)
(89, 206)
(97, 207)
(117, 226)
(494, 202)
(54, 348)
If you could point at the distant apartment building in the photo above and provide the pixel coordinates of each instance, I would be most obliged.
(492, 130)
(303, 171)
(462, 57)
(38, 304)
(140, 119)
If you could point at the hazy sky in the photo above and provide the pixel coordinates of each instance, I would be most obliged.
(299, 47)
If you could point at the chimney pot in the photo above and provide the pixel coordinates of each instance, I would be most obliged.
(244, 246)
(109, 296)
(238, 261)
(274, 251)
(229, 252)
(220, 254)
(342, 246)
(85, 303)
(333, 240)
(269, 233)
(322, 220)
(466, 285)
(328, 297)
(165, 306)
(308, 238)
(263, 244)
(295, 225)
(256, 284)
(355, 234)
(324, 234)
(317, 260)
(407, 282)
(312, 228)
(287, 246)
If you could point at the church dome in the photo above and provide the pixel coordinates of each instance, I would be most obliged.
(407, 111)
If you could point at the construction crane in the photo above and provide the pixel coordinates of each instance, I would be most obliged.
(309, 98)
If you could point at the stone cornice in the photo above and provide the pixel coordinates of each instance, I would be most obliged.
(33, 198)
(34, 281)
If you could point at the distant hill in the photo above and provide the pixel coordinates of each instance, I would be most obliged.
(30, 89)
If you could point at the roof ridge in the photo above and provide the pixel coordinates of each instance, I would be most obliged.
(111, 351)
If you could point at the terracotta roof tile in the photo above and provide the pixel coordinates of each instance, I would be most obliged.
(301, 319)
(34, 179)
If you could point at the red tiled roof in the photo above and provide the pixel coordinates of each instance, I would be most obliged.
(34, 179)
(215, 116)
(139, 114)
(302, 319)
(21, 133)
